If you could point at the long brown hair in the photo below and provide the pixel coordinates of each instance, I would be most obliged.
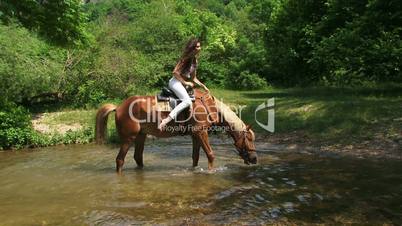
(189, 47)
(187, 58)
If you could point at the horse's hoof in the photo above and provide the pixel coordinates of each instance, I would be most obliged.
(139, 167)
(211, 171)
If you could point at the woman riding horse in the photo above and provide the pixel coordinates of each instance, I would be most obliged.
(183, 75)
(138, 116)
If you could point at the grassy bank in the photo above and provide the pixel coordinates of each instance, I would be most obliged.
(327, 114)
(323, 115)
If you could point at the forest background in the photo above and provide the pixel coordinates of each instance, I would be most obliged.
(84, 53)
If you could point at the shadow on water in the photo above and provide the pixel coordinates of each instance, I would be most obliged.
(70, 185)
(307, 189)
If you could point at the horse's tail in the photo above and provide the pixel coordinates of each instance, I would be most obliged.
(101, 122)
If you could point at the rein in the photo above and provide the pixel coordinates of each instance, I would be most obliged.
(243, 137)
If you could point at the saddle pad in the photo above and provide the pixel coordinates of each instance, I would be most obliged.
(162, 105)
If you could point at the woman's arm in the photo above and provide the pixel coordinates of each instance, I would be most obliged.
(198, 82)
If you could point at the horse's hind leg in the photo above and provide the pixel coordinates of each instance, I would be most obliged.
(139, 149)
(122, 154)
(196, 150)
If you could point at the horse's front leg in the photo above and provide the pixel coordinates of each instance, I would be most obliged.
(202, 136)
(196, 150)
(122, 155)
(139, 149)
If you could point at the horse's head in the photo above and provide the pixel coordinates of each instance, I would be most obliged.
(245, 146)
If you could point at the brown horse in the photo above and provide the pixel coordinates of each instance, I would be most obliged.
(138, 116)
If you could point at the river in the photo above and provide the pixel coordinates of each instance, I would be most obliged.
(77, 185)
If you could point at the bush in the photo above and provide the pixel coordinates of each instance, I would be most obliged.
(16, 131)
(28, 65)
(61, 21)
(247, 80)
(337, 43)
(88, 95)
(15, 126)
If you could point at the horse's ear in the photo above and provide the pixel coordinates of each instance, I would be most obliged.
(248, 127)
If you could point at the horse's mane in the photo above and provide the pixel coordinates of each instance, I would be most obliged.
(229, 116)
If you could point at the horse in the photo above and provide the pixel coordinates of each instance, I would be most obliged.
(138, 116)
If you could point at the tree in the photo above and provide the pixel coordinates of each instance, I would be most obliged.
(61, 21)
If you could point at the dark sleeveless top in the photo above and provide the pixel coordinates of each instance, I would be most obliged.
(186, 72)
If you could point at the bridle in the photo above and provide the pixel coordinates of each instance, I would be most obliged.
(242, 151)
(243, 134)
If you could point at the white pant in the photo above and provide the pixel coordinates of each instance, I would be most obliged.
(181, 93)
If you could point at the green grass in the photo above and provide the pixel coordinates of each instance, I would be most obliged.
(326, 114)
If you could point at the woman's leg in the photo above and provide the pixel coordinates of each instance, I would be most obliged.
(177, 87)
(182, 94)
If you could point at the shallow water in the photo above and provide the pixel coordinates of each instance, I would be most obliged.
(77, 185)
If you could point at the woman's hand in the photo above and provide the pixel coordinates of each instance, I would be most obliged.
(189, 84)
(206, 89)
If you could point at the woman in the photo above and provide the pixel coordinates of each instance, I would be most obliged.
(184, 74)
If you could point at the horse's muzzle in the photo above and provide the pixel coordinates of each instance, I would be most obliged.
(252, 158)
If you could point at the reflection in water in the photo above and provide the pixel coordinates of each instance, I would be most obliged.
(75, 185)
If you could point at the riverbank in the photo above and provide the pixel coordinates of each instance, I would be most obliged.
(360, 122)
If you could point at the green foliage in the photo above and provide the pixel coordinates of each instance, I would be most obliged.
(15, 126)
(334, 42)
(368, 48)
(16, 130)
(248, 80)
(289, 40)
(138, 44)
(70, 137)
(61, 21)
(88, 95)
(129, 10)
(28, 65)
(112, 49)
